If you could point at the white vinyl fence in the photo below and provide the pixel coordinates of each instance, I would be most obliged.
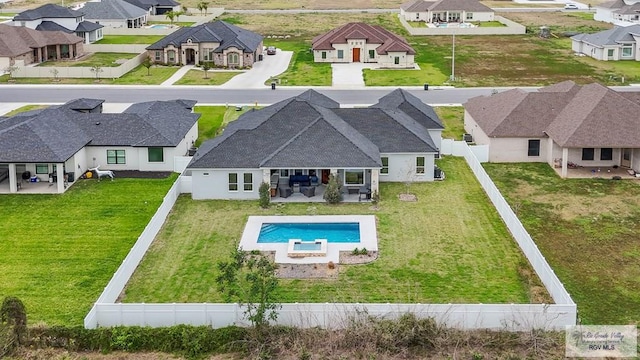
(115, 48)
(510, 28)
(516, 317)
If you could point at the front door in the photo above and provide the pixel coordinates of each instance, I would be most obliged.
(191, 56)
(356, 54)
(625, 161)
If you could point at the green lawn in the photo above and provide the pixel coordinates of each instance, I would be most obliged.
(129, 39)
(449, 246)
(24, 109)
(58, 252)
(137, 76)
(197, 77)
(417, 24)
(453, 120)
(588, 230)
(427, 74)
(490, 24)
(95, 59)
(302, 70)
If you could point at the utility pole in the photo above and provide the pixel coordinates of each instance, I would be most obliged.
(453, 58)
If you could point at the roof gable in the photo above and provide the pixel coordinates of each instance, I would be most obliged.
(374, 34)
(47, 11)
(412, 106)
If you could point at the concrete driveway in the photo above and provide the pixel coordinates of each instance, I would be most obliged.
(349, 76)
(271, 66)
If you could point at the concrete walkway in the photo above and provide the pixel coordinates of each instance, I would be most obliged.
(177, 75)
(271, 66)
(349, 76)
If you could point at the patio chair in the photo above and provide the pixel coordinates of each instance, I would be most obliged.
(308, 191)
(285, 191)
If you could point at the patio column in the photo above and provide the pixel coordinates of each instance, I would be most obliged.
(60, 177)
(565, 160)
(266, 176)
(58, 56)
(375, 173)
(13, 184)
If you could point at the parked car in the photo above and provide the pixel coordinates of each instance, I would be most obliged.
(271, 50)
(571, 7)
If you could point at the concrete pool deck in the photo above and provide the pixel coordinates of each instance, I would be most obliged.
(368, 237)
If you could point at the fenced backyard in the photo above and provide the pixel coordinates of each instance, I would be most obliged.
(513, 316)
(509, 28)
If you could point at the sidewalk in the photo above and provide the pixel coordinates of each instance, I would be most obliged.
(177, 75)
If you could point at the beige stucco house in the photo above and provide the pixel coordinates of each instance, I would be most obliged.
(219, 43)
(563, 125)
(446, 11)
(29, 46)
(360, 42)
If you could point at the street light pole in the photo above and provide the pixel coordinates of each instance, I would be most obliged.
(453, 58)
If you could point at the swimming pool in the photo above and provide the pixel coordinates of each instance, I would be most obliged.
(345, 232)
(159, 26)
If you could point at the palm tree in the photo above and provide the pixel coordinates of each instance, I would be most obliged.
(170, 15)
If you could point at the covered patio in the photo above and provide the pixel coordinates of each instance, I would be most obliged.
(318, 197)
(598, 172)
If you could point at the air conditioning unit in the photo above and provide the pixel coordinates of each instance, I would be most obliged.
(467, 137)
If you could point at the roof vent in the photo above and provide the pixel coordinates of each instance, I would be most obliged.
(98, 123)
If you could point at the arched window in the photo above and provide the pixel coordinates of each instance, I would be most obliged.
(233, 59)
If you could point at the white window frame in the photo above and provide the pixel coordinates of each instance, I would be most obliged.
(421, 169)
(468, 16)
(247, 186)
(385, 168)
(626, 47)
(231, 183)
(117, 157)
(158, 56)
(353, 170)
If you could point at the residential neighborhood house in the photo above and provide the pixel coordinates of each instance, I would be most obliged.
(619, 43)
(446, 11)
(156, 7)
(360, 42)
(619, 12)
(296, 144)
(51, 17)
(59, 143)
(218, 42)
(115, 14)
(30, 46)
(565, 125)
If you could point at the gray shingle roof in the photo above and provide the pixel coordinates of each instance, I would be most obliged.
(52, 26)
(47, 11)
(112, 9)
(577, 116)
(147, 4)
(88, 26)
(412, 106)
(83, 104)
(226, 34)
(57, 133)
(301, 132)
(614, 36)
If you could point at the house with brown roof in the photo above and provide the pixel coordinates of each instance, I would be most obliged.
(563, 125)
(360, 42)
(446, 11)
(33, 46)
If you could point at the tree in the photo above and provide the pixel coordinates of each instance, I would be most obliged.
(205, 6)
(171, 15)
(264, 191)
(55, 73)
(333, 192)
(178, 14)
(97, 69)
(200, 7)
(250, 279)
(206, 66)
(11, 69)
(148, 63)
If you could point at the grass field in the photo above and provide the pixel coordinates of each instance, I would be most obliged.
(426, 74)
(213, 119)
(588, 230)
(197, 77)
(302, 70)
(129, 39)
(58, 252)
(453, 119)
(95, 59)
(24, 109)
(453, 247)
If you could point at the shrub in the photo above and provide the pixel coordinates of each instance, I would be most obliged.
(265, 196)
(333, 192)
(14, 315)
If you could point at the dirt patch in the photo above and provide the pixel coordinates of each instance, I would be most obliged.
(142, 174)
(322, 271)
(567, 20)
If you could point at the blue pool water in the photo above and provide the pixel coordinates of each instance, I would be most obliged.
(333, 232)
(159, 26)
(307, 246)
